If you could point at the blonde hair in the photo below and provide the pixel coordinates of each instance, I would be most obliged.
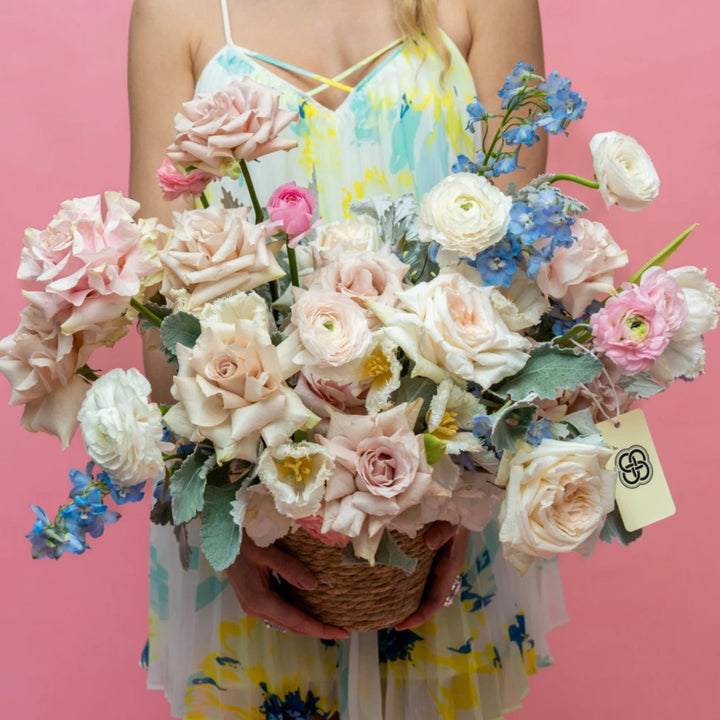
(416, 18)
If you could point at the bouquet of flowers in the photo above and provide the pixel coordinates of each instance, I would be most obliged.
(355, 381)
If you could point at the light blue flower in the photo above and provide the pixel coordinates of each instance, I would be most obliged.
(122, 495)
(49, 540)
(477, 113)
(523, 134)
(497, 264)
(538, 430)
(87, 515)
(516, 82)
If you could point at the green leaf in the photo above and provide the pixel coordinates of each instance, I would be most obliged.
(581, 423)
(511, 424)
(412, 388)
(187, 485)
(434, 448)
(663, 256)
(220, 534)
(548, 370)
(640, 385)
(180, 327)
(614, 529)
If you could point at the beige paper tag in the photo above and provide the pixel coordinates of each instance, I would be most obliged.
(642, 492)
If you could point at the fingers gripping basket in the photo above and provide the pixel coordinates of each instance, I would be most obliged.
(358, 597)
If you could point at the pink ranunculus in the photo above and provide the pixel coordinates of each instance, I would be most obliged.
(293, 207)
(667, 295)
(578, 274)
(174, 184)
(87, 266)
(631, 330)
(241, 121)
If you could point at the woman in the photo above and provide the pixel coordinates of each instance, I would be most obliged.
(378, 114)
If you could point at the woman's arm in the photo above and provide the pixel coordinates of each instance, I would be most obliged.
(503, 32)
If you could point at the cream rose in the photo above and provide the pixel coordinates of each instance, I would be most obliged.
(465, 214)
(624, 170)
(358, 233)
(578, 274)
(449, 325)
(121, 430)
(557, 497)
(215, 252)
(230, 390)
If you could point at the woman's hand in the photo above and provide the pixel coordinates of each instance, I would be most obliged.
(250, 577)
(453, 543)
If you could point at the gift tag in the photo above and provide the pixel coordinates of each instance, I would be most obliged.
(642, 492)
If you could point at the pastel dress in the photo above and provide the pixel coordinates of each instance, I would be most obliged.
(397, 131)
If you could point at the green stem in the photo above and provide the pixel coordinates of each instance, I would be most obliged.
(203, 200)
(292, 262)
(573, 332)
(259, 217)
(147, 314)
(576, 179)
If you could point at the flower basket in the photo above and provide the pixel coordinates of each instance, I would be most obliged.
(358, 597)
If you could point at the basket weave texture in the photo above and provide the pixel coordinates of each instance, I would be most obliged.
(357, 597)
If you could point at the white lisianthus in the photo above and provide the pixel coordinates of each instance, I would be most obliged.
(558, 495)
(685, 354)
(465, 214)
(295, 474)
(449, 325)
(121, 430)
(624, 170)
(450, 417)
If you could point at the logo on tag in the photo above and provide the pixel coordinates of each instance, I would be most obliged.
(633, 466)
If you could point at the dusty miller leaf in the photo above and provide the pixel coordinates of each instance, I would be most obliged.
(180, 327)
(640, 385)
(388, 553)
(187, 485)
(511, 424)
(581, 423)
(412, 388)
(220, 534)
(615, 529)
(548, 370)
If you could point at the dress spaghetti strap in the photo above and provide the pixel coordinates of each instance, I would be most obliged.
(325, 81)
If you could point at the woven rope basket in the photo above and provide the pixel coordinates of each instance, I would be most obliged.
(357, 597)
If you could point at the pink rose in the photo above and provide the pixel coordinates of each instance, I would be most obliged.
(174, 184)
(242, 121)
(292, 207)
(88, 267)
(323, 394)
(631, 330)
(40, 364)
(361, 275)
(578, 274)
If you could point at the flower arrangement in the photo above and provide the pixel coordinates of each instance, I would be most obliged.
(441, 360)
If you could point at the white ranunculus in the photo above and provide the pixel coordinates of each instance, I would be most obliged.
(624, 170)
(295, 474)
(449, 325)
(121, 430)
(465, 214)
(331, 327)
(557, 497)
(685, 354)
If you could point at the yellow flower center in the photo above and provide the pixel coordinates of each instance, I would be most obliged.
(447, 428)
(377, 366)
(295, 471)
(638, 328)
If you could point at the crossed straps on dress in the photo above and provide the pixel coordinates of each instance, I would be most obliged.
(325, 82)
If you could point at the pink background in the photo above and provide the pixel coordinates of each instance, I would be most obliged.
(643, 640)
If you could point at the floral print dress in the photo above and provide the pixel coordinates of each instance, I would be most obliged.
(398, 131)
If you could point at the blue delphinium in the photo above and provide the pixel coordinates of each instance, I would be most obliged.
(523, 134)
(80, 480)
(50, 539)
(498, 263)
(538, 430)
(121, 494)
(483, 427)
(465, 164)
(564, 104)
(87, 515)
(476, 113)
(516, 82)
